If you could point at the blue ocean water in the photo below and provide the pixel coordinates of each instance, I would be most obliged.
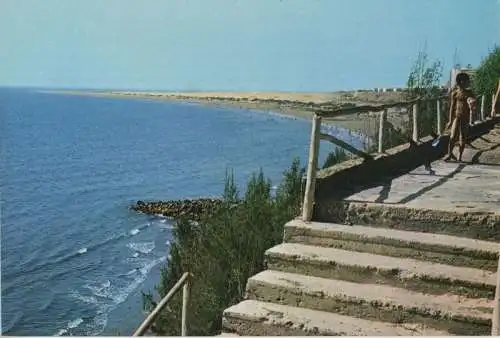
(74, 257)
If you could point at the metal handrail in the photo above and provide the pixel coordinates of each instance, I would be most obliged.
(183, 281)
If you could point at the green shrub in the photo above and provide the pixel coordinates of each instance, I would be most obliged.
(488, 73)
(487, 77)
(424, 77)
(336, 156)
(423, 81)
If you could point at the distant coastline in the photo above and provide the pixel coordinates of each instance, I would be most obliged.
(292, 104)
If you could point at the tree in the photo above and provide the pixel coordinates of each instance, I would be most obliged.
(423, 81)
(425, 76)
(488, 75)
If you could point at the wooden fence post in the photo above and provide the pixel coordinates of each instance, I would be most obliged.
(471, 117)
(415, 122)
(444, 113)
(495, 321)
(483, 104)
(381, 129)
(439, 127)
(493, 104)
(307, 209)
(185, 305)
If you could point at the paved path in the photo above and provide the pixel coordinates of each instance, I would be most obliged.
(473, 186)
(396, 272)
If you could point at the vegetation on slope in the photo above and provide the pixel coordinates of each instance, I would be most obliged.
(225, 250)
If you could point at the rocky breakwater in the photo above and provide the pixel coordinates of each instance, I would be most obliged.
(194, 209)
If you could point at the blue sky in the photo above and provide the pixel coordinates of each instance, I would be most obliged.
(250, 45)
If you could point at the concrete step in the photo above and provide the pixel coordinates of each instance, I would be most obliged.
(450, 250)
(363, 267)
(452, 313)
(254, 318)
(466, 223)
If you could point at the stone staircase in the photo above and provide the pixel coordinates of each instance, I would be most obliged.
(334, 279)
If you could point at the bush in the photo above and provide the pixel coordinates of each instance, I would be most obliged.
(423, 81)
(223, 251)
(487, 76)
(424, 77)
(334, 157)
(488, 73)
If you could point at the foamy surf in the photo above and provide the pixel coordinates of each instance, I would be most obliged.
(124, 293)
(134, 232)
(163, 216)
(61, 332)
(84, 299)
(102, 290)
(143, 247)
(163, 225)
(93, 328)
(115, 296)
(73, 324)
(132, 272)
(98, 325)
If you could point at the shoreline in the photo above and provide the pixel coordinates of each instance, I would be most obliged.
(289, 104)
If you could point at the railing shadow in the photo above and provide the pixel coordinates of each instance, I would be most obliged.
(387, 183)
(434, 185)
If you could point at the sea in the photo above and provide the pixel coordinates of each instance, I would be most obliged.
(74, 257)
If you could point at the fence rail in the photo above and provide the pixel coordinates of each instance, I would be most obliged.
(416, 105)
(316, 136)
(185, 282)
(335, 111)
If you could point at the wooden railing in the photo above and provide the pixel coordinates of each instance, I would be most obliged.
(184, 281)
(317, 136)
(495, 322)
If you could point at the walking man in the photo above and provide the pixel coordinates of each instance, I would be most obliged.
(461, 105)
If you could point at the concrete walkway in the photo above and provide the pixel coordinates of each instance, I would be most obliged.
(415, 255)
(472, 186)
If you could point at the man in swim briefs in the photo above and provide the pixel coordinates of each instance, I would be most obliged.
(462, 102)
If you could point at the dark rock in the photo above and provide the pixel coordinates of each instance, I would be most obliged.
(195, 209)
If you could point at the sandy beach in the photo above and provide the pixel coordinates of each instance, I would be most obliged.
(296, 104)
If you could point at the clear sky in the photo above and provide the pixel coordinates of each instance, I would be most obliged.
(255, 45)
